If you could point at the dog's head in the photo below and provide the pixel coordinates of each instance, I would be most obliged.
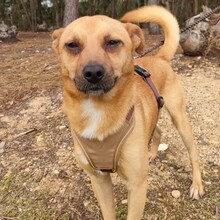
(97, 52)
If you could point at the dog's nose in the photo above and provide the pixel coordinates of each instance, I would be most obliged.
(93, 73)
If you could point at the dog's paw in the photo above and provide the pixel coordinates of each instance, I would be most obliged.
(196, 191)
(151, 156)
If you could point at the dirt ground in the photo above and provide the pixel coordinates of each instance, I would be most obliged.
(39, 177)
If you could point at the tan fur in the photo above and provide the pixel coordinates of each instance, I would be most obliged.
(92, 36)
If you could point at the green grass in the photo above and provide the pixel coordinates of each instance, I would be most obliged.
(19, 202)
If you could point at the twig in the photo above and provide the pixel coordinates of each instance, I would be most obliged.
(25, 132)
(6, 217)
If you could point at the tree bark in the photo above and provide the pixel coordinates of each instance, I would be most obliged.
(153, 28)
(113, 8)
(33, 15)
(71, 11)
(27, 14)
(2, 10)
(58, 13)
(195, 11)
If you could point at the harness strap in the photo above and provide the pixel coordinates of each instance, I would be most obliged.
(146, 77)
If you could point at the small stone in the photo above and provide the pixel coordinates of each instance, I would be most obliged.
(162, 147)
(208, 182)
(40, 138)
(125, 201)
(205, 141)
(62, 127)
(62, 174)
(188, 74)
(161, 168)
(40, 141)
(27, 170)
(56, 171)
(48, 67)
(175, 193)
(38, 175)
(85, 203)
(215, 171)
(2, 147)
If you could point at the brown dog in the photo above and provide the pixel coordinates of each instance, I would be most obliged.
(103, 97)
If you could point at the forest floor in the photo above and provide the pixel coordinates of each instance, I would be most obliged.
(39, 177)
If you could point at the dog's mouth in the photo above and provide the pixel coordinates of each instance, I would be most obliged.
(98, 89)
(95, 91)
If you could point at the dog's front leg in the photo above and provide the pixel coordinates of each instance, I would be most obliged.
(102, 186)
(134, 169)
(136, 199)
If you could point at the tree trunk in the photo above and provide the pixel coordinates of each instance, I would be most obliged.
(113, 8)
(205, 2)
(167, 5)
(195, 8)
(33, 15)
(129, 5)
(57, 11)
(153, 28)
(2, 10)
(39, 12)
(28, 15)
(71, 11)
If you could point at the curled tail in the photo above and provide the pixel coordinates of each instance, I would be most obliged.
(165, 19)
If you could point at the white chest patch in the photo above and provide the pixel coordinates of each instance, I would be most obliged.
(95, 116)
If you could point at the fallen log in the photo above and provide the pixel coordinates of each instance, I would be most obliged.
(204, 37)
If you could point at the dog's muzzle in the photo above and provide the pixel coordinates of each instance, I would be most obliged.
(95, 80)
(93, 73)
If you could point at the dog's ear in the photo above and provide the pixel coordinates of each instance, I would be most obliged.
(56, 37)
(137, 37)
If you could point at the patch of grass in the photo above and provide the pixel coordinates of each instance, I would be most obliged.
(18, 201)
(121, 212)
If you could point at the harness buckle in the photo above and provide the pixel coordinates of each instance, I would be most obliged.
(160, 102)
(141, 71)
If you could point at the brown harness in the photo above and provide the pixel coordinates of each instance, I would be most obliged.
(103, 155)
(146, 77)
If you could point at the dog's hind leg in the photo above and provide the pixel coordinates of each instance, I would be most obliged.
(155, 144)
(102, 187)
(175, 104)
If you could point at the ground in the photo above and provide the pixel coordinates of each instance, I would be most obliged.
(39, 177)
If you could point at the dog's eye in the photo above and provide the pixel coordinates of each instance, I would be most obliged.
(113, 43)
(73, 46)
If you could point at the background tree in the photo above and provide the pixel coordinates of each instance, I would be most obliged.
(153, 28)
(58, 9)
(71, 11)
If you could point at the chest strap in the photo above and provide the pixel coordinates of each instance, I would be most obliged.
(146, 76)
(103, 155)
